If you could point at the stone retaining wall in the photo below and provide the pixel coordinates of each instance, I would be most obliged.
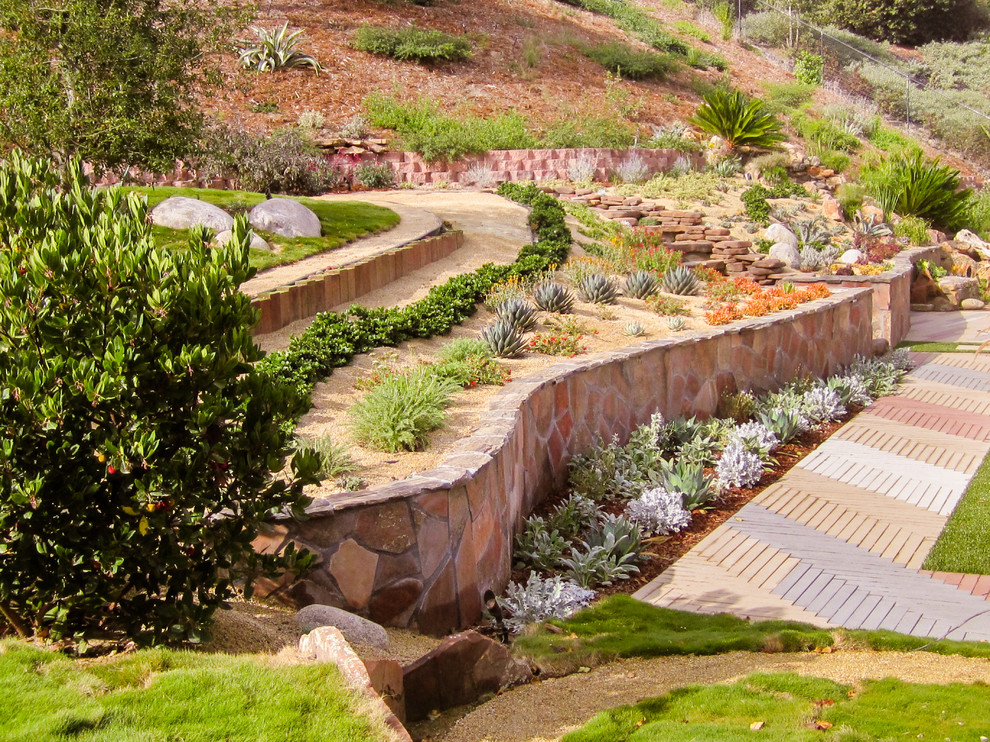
(528, 164)
(891, 292)
(331, 288)
(421, 552)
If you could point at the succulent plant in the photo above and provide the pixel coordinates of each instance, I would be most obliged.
(641, 284)
(517, 312)
(503, 338)
(598, 289)
(812, 231)
(676, 323)
(552, 297)
(634, 329)
(680, 280)
(870, 225)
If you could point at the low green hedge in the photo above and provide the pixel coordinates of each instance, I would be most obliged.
(333, 339)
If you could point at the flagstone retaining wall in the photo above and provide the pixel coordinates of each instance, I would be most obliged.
(891, 292)
(327, 289)
(421, 552)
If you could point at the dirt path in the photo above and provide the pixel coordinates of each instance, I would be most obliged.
(414, 224)
(494, 230)
(547, 710)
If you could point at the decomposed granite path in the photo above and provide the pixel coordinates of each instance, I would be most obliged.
(840, 539)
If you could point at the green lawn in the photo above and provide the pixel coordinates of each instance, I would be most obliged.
(964, 545)
(342, 222)
(620, 626)
(157, 695)
(792, 708)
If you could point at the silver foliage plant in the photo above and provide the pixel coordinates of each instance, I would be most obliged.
(659, 512)
(541, 599)
(756, 437)
(738, 467)
(822, 404)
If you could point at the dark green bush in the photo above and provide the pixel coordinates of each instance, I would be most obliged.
(412, 44)
(755, 201)
(630, 63)
(142, 449)
(909, 22)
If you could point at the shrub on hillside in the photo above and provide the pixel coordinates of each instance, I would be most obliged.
(142, 450)
(630, 63)
(909, 22)
(412, 44)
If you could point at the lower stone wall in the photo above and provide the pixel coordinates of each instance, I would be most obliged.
(421, 552)
(529, 164)
(891, 292)
(343, 285)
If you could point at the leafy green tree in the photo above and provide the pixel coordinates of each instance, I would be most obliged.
(111, 81)
(140, 448)
(910, 22)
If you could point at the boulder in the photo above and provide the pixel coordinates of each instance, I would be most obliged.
(286, 217)
(180, 212)
(222, 238)
(958, 263)
(463, 668)
(781, 234)
(786, 253)
(958, 288)
(972, 304)
(974, 240)
(851, 257)
(831, 209)
(354, 628)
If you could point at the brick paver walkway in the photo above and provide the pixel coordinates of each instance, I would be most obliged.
(840, 539)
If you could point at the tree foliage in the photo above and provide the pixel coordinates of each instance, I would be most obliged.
(140, 448)
(111, 81)
(911, 22)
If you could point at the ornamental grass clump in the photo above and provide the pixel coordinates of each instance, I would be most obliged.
(398, 414)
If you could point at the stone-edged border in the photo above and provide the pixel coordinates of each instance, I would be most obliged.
(331, 288)
(421, 552)
(891, 292)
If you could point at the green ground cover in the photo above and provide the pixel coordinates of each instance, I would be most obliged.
(168, 695)
(926, 347)
(342, 222)
(620, 626)
(790, 708)
(964, 545)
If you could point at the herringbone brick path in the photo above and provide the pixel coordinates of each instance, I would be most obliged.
(840, 539)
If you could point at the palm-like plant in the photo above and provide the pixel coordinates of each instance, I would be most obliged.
(738, 119)
(910, 185)
(277, 50)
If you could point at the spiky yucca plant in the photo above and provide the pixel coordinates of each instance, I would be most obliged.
(552, 297)
(517, 312)
(738, 119)
(641, 284)
(680, 280)
(504, 339)
(276, 51)
(598, 289)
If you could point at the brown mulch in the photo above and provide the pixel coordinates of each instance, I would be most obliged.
(663, 551)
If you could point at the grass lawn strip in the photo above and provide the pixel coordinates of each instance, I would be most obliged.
(921, 346)
(789, 708)
(964, 545)
(622, 627)
(161, 694)
(342, 222)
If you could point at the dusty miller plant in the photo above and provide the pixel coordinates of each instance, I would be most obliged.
(659, 512)
(541, 599)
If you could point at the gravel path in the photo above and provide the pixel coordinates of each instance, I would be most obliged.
(547, 710)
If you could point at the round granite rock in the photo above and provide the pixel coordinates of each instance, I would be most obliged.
(222, 238)
(354, 628)
(285, 217)
(180, 212)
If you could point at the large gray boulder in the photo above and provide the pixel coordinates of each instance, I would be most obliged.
(787, 253)
(180, 212)
(354, 628)
(285, 217)
(781, 234)
(973, 240)
(222, 238)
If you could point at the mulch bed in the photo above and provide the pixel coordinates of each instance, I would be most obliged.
(663, 551)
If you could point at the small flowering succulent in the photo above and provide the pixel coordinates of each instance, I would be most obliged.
(738, 467)
(659, 512)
